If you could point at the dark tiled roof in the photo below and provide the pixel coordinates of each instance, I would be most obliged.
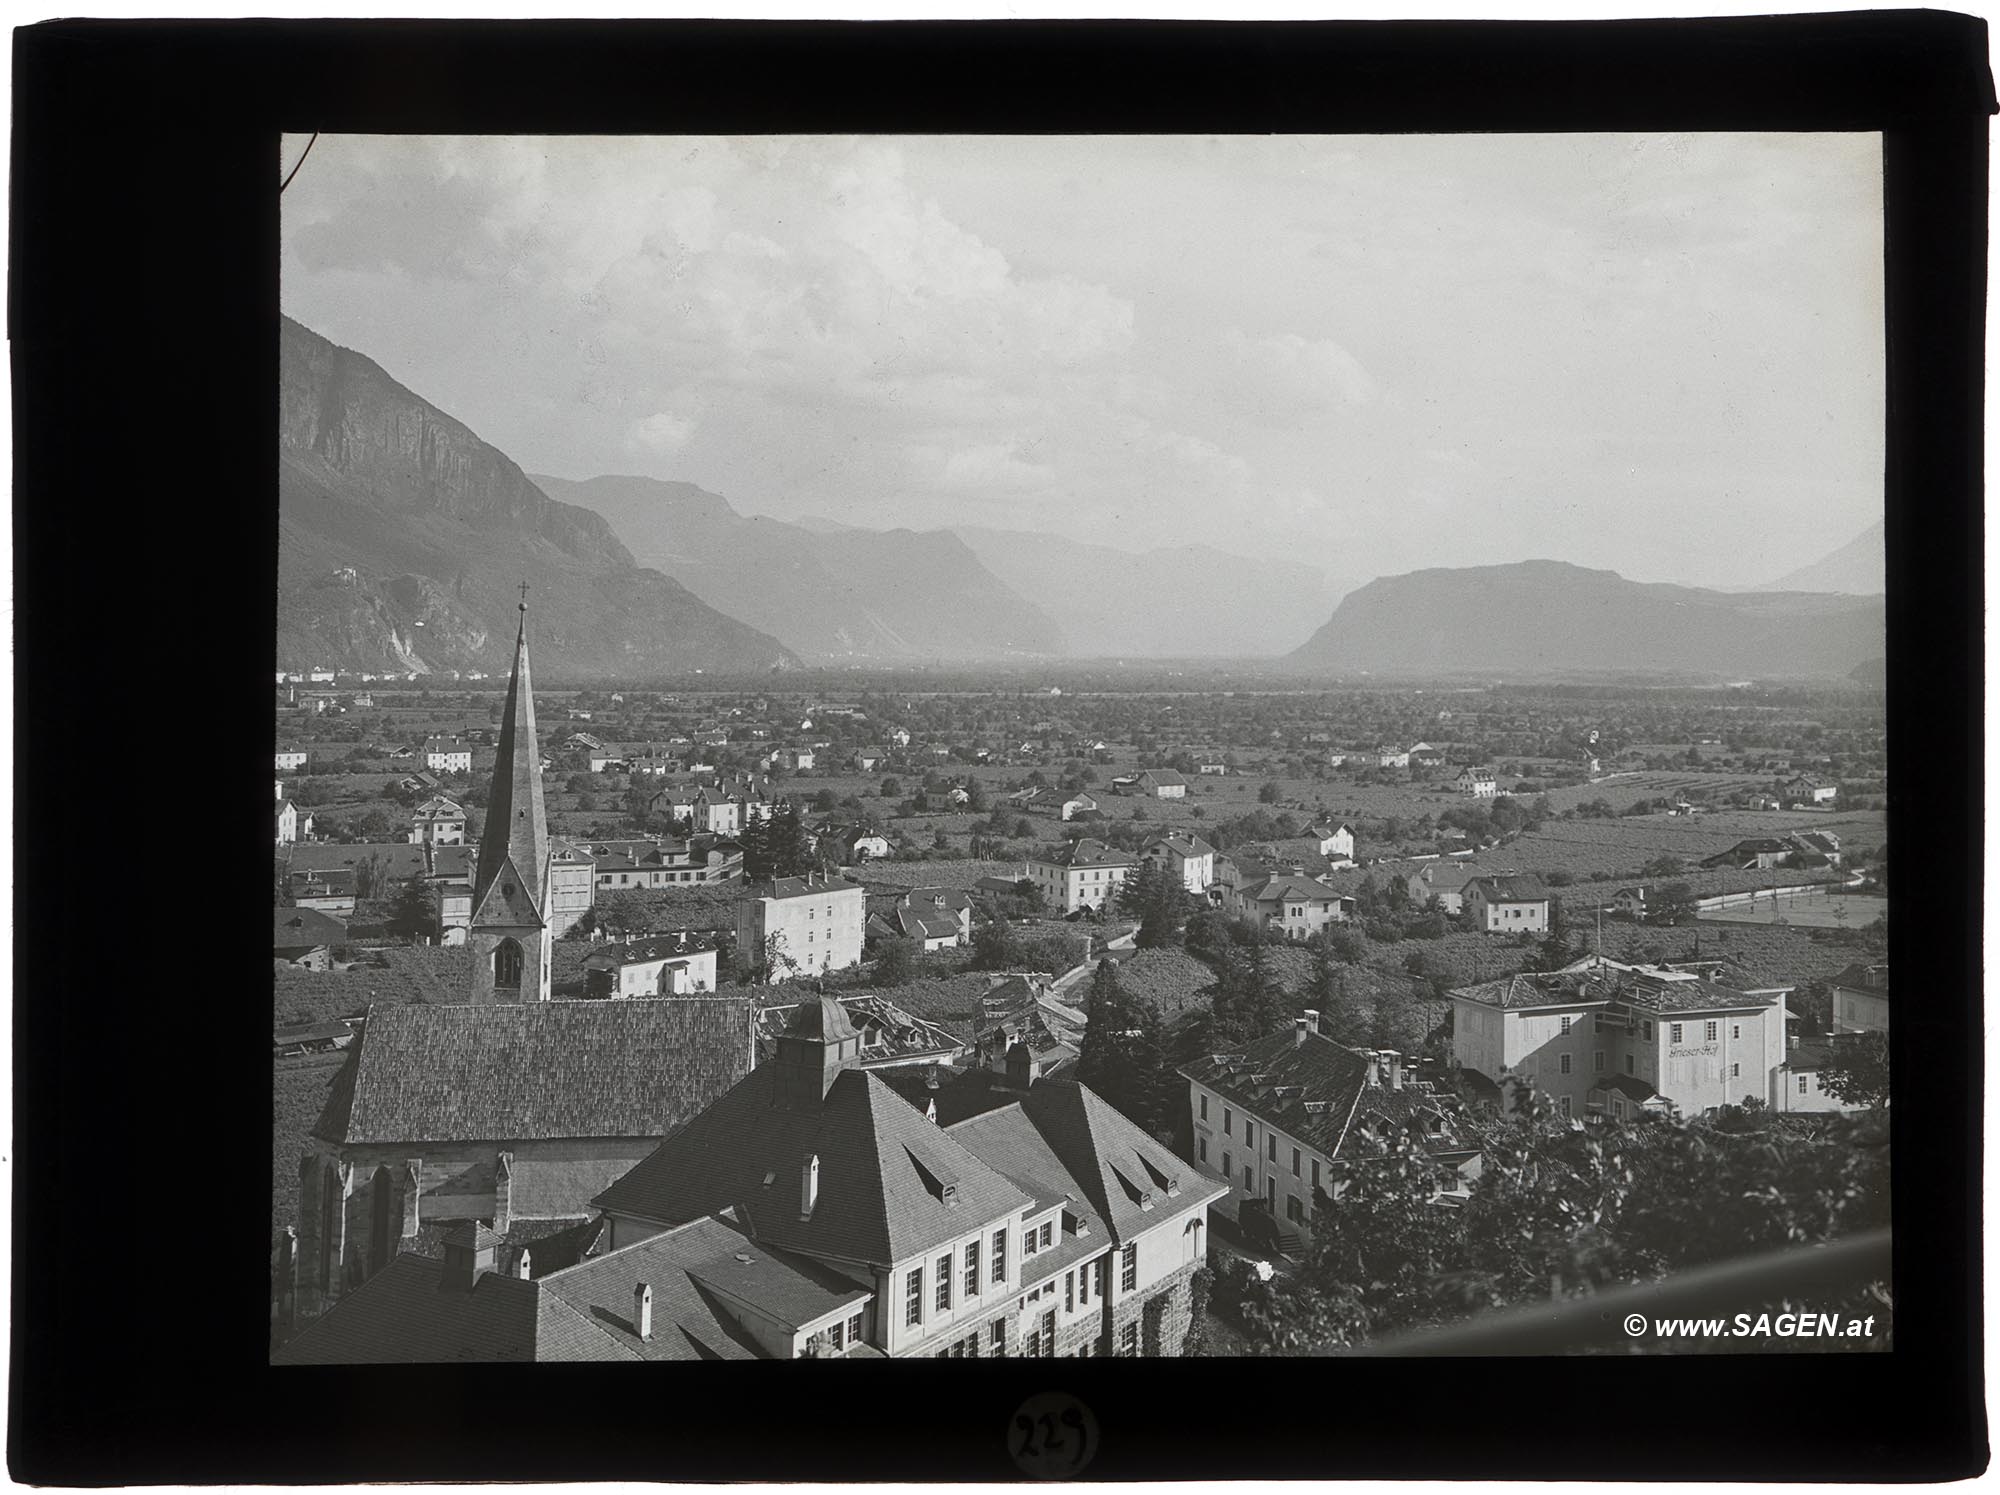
(1873, 979)
(1519, 887)
(636, 952)
(690, 1269)
(537, 1070)
(884, 1172)
(402, 1315)
(1064, 1141)
(1085, 853)
(798, 887)
(1552, 989)
(1307, 1089)
(304, 928)
(958, 1094)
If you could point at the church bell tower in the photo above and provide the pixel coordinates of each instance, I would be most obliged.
(509, 937)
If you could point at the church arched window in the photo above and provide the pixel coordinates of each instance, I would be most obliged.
(507, 963)
(380, 1197)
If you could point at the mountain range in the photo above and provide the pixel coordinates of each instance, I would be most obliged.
(830, 591)
(1549, 617)
(1858, 567)
(403, 538)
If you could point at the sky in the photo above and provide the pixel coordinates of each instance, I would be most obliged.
(1656, 354)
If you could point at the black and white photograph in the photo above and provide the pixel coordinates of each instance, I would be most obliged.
(1212, 697)
(1074, 746)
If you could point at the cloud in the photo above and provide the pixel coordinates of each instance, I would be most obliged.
(661, 432)
(1289, 375)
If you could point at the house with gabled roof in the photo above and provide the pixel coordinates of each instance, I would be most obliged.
(1506, 903)
(437, 822)
(1278, 1117)
(305, 937)
(1187, 859)
(1861, 999)
(1480, 783)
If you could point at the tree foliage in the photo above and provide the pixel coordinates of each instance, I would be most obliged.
(1124, 1052)
(1857, 1074)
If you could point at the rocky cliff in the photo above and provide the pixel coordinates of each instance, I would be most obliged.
(403, 538)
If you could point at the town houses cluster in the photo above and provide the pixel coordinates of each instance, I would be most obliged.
(829, 1103)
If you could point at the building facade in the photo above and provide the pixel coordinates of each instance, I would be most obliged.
(1082, 874)
(806, 924)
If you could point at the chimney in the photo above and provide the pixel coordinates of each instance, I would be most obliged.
(809, 1187)
(523, 1269)
(1023, 1069)
(1300, 1027)
(468, 1256)
(1311, 1016)
(1392, 1063)
(642, 1310)
(1791, 1040)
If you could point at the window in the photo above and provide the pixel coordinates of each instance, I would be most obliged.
(1069, 1292)
(944, 1282)
(1628, 1064)
(1293, 1209)
(913, 1288)
(996, 1336)
(1128, 1340)
(1249, 1180)
(1228, 1121)
(1048, 1233)
(1563, 1063)
(1735, 1071)
(1674, 1033)
(839, 1336)
(1083, 1283)
(1225, 1165)
(854, 1329)
(1201, 1148)
(1103, 1276)
(1597, 1062)
(1049, 1334)
(507, 963)
(1270, 1147)
(1708, 1032)
(1735, 1030)
(1028, 1243)
(1562, 1104)
(1315, 1173)
(1249, 1132)
(1128, 1269)
(1565, 1023)
(1802, 1084)
(1295, 1162)
(1204, 1108)
(1617, 1109)
(1647, 1024)
(972, 1269)
(1000, 1256)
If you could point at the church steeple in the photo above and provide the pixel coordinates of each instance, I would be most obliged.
(509, 933)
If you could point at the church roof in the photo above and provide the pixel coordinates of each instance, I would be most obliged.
(537, 1070)
(891, 1185)
(516, 823)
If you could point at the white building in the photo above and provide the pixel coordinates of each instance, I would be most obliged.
(1082, 874)
(1480, 783)
(804, 924)
(1189, 860)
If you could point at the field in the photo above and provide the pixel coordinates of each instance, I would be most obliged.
(1818, 911)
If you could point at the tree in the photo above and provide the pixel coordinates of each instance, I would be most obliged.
(1123, 1058)
(414, 914)
(1857, 1074)
(895, 963)
(1676, 902)
(892, 789)
(1270, 794)
(993, 947)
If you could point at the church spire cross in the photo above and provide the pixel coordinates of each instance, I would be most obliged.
(524, 596)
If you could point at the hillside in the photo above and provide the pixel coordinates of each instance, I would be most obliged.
(1541, 618)
(1858, 567)
(403, 538)
(1179, 601)
(829, 591)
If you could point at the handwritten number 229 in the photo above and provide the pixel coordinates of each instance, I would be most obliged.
(1052, 1439)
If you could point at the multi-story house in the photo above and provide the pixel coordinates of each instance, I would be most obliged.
(447, 755)
(809, 924)
(626, 866)
(289, 759)
(1048, 1227)
(1080, 874)
(437, 822)
(1189, 860)
(1335, 842)
(669, 965)
(1393, 757)
(1288, 905)
(1797, 1082)
(1861, 999)
(1809, 789)
(572, 886)
(1480, 783)
(289, 822)
(1624, 1039)
(1508, 903)
(1160, 783)
(1274, 1119)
